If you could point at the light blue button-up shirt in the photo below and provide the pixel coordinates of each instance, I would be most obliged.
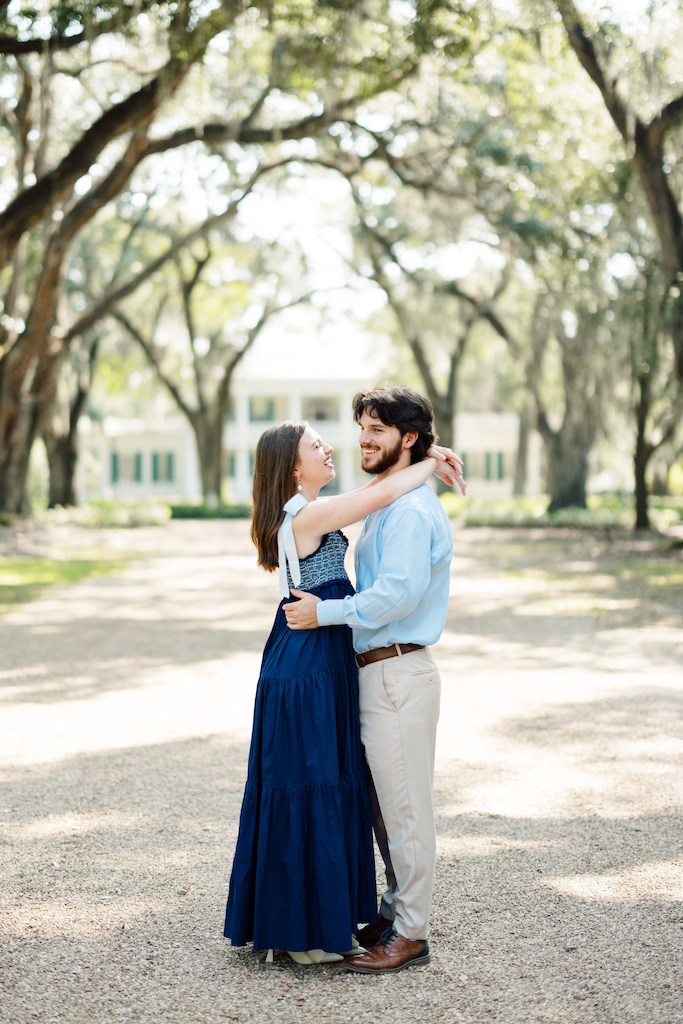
(402, 573)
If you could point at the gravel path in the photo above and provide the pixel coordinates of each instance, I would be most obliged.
(125, 706)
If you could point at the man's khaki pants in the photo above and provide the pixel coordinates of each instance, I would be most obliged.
(399, 711)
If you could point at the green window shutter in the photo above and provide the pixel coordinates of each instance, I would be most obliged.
(155, 467)
(488, 466)
(500, 466)
(464, 464)
(114, 467)
(169, 464)
(138, 467)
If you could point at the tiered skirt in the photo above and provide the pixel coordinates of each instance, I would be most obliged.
(303, 875)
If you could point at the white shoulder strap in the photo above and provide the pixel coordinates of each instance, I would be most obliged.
(286, 548)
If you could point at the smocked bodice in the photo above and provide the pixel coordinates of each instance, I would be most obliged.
(324, 564)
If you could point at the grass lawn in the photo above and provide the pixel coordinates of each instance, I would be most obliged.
(22, 579)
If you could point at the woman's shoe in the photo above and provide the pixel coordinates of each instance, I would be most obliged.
(356, 948)
(314, 956)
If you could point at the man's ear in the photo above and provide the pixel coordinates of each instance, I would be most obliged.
(409, 440)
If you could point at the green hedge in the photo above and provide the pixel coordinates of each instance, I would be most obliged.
(189, 511)
(109, 513)
(604, 512)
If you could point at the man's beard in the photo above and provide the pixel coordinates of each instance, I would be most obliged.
(389, 459)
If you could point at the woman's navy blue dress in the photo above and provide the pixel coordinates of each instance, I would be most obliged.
(303, 876)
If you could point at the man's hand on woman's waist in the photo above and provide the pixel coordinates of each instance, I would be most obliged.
(301, 614)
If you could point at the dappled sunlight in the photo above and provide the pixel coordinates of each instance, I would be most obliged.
(659, 880)
(165, 703)
(125, 732)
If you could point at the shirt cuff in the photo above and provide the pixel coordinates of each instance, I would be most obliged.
(330, 613)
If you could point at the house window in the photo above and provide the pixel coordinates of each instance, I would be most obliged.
(487, 463)
(126, 466)
(324, 408)
(268, 409)
(501, 466)
(162, 466)
(229, 464)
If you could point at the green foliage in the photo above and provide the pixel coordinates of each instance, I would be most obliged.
(110, 513)
(604, 512)
(203, 511)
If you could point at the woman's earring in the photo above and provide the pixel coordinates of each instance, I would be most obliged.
(298, 484)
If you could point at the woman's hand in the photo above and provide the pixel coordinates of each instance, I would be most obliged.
(449, 466)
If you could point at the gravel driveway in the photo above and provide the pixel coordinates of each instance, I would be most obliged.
(124, 722)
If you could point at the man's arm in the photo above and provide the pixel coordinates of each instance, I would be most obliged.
(402, 579)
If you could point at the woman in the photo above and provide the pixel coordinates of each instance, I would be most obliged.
(303, 874)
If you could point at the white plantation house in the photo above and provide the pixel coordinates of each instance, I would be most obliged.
(135, 458)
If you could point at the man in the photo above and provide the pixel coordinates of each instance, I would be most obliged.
(402, 576)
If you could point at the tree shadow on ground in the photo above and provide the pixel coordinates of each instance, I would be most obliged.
(647, 713)
(83, 659)
(116, 870)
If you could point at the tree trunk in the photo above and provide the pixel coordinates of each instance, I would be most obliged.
(33, 410)
(62, 454)
(62, 449)
(569, 447)
(208, 431)
(13, 495)
(568, 450)
(641, 454)
(16, 436)
(567, 471)
(660, 478)
(444, 415)
(522, 459)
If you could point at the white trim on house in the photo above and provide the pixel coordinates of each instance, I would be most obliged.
(488, 442)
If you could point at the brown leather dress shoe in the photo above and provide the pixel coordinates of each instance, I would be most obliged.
(391, 954)
(372, 933)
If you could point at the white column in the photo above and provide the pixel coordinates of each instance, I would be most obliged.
(346, 478)
(349, 434)
(240, 445)
(295, 405)
(533, 478)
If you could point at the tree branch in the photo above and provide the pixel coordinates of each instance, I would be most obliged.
(668, 117)
(238, 355)
(116, 295)
(583, 47)
(646, 144)
(153, 356)
(137, 110)
(674, 418)
(187, 287)
(242, 131)
(11, 45)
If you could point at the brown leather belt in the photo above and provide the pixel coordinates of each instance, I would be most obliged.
(381, 653)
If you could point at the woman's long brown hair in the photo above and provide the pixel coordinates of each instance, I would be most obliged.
(277, 453)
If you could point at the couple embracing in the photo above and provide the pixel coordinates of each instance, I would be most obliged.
(348, 696)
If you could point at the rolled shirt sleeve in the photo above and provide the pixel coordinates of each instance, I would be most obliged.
(402, 579)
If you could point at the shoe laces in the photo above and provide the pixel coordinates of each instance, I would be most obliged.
(388, 935)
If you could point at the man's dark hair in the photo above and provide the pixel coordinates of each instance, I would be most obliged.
(398, 406)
